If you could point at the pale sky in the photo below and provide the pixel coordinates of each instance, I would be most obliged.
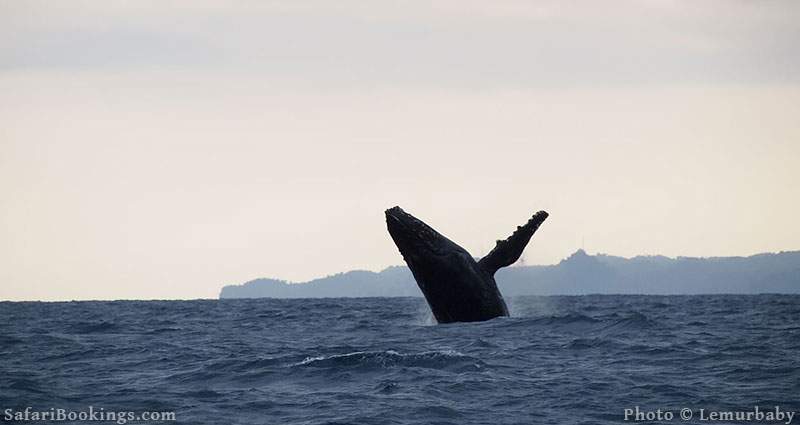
(159, 150)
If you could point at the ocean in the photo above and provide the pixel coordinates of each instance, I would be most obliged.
(556, 360)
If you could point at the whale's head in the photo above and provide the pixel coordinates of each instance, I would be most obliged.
(430, 256)
(417, 241)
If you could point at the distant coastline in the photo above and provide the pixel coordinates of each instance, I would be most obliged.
(578, 274)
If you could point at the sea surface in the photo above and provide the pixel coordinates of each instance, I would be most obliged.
(557, 360)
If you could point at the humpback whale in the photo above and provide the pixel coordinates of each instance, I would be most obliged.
(457, 288)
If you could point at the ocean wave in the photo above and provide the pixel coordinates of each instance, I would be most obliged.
(568, 319)
(6, 340)
(156, 331)
(94, 327)
(630, 321)
(591, 343)
(443, 360)
(24, 384)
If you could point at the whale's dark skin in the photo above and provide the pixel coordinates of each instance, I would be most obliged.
(457, 288)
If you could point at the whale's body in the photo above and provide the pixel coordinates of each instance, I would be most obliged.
(457, 288)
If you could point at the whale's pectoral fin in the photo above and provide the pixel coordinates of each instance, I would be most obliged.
(508, 251)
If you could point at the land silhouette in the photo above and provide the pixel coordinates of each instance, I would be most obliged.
(578, 274)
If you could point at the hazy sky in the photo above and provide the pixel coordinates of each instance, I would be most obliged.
(162, 149)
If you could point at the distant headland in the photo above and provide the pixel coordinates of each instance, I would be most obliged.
(578, 274)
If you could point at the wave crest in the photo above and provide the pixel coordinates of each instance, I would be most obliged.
(442, 360)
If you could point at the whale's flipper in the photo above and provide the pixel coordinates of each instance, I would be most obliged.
(508, 251)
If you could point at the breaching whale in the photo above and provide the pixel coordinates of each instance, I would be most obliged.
(457, 288)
